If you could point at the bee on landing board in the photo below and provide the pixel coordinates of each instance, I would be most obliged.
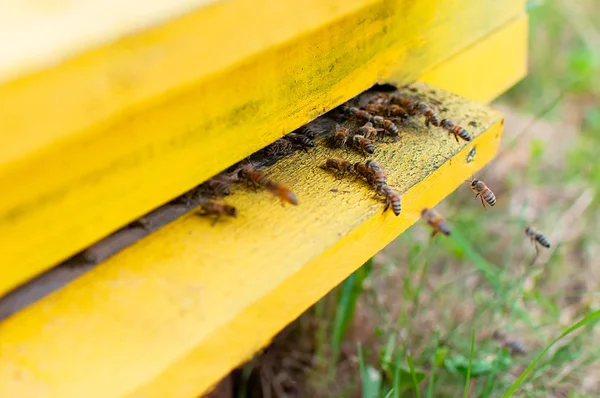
(340, 137)
(379, 177)
(364, 144)
(368, 131)
(397, 111)
(360, 114)
(380, 99)
(393, 199)
(218, 209)
(301, 140)
(250, 174)
(413, 106)
(537, 238)
(219, 185)
(386, 124)
(376, 109)
(362, 170)
(456, 130)
(435, 221)
(485, 194)
(342, 166)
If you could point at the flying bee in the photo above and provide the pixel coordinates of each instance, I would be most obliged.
(379, 177)
(435, 221)
(340, 137)
(456, 130)
(376, 109)
(217, 209)
(484, 193)
(387, 125)
(537, 238)
(340, 165)
(364, 144)
(360, 114)
(282, 192)
(392, 199)
(362, 170)
(253, 176)
(515, 347)
(301, 140)
(368, 131)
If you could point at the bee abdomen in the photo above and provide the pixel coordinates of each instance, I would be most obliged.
(444, 228)
(462, 133)
(489, 197)
(396, 205)
(543, 240)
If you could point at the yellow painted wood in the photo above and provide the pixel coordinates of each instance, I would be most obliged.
(103, 137)
(487, 68)
(180, 308)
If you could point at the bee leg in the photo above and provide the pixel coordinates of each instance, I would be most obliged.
(482, 202)
(427, 122)
(455, 136)
(387, 205)
(434, 233)
(214, 222)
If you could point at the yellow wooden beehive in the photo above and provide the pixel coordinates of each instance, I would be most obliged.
(108, 110)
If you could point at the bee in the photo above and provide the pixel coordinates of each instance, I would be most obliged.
(456, 130)
(300, 139)
(364, 144)
(415, 106)
(387, 125)
(484, 193)
(379, 177)
(368, 131)
(537, 238)
(397, 111)
(471, 155)
(427, 111)
(340, 137)
(360, 114)
(515, 347)
(279, 148)
(380, 99)
(253, 176)
(219, 185)
(392, 199)
(341, 165)
(436, 222)
(362, 170)
(376, 109)
(282, 192)
(217, 209)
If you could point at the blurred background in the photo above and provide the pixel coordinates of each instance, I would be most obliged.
(414, 316)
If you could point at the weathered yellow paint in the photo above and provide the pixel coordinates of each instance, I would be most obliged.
(487, 68)
(180, 308)
(101, 138)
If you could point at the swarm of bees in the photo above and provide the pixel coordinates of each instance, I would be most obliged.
(358, 125)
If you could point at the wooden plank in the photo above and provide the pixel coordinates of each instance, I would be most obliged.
(479, 69)
(177, 310)
(489, 67)
(71, 160)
